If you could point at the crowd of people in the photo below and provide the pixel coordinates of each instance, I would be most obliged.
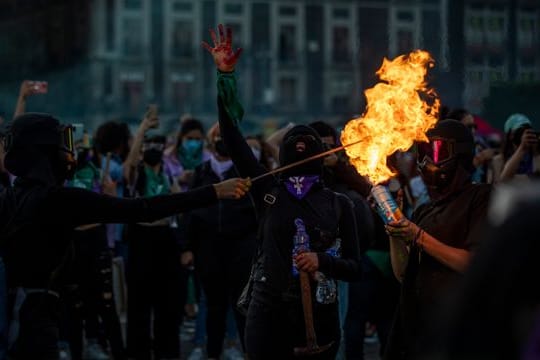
(260, 264)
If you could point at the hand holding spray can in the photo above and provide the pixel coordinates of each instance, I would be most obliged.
(387, 207)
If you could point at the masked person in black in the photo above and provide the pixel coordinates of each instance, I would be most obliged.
(295, 205)
(430, 252)
(37, 217)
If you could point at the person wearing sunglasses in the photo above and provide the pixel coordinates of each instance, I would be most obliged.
(38, 215)
(431, 251)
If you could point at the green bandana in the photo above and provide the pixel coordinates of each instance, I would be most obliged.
(226, 84)
(156, 184)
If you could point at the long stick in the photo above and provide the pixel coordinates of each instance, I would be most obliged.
(311, 158)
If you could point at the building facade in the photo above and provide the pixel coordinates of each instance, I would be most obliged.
(502, 44)
(303, 58)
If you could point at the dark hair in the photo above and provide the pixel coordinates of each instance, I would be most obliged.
(324, 129)
(443, 112)
(189, 125)
(156, 139)
(112, 136)
(457, 114)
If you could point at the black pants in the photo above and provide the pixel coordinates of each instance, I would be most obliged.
(274, 331)
(223, 265)
(38, 332)
(89, 294)
(153, 292)
(373, 299)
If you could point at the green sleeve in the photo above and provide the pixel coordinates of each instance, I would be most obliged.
(226, 84)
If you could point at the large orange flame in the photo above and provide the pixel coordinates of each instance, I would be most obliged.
(399, 111)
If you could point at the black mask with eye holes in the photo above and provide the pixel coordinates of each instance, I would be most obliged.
(451, 145)
(298, 144)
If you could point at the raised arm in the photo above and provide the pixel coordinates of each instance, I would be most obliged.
(230, 109)
(28, 88)
(134, 155)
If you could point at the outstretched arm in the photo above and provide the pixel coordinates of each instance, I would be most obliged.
(230, 109)
(106, 209)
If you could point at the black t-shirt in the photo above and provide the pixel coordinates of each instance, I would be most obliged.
(456, 221)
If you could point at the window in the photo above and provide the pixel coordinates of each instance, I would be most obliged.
(287, 92)
(132, 94)
(495, 23)
(405, 16)
(107, 80)
(341, 49)
(405, 41)
(182, 6)
(182, 39)
(496, 75)
(234, 9)
(109, 25)
(182, 98)
(237, 32)
(133, 4)
(340, 13)
(132, 31)
(287, 43)
(340, 104)
(287, 11)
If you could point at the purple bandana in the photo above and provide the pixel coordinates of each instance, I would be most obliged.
(299, 186)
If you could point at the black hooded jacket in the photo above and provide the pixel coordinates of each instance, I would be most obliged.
(327, 215)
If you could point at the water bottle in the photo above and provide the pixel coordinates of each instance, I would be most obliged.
(326, 292)
(301, 243)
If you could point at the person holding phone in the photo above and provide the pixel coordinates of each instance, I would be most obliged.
(520, 155)
(29, 88)
(154, 270)
(37, 217)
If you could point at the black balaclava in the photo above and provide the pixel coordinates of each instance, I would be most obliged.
(39, 148)
(298, 144)
(153, 153)
(445, 176)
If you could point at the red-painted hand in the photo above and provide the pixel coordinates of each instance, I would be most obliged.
(222, 52)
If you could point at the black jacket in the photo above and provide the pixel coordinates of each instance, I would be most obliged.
(37, 220)
(318, 210)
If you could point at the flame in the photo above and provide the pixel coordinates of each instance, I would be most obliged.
(400, 110)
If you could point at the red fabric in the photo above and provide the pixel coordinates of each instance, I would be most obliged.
(484, 128)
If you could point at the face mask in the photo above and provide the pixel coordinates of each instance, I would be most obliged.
(220, 148)
(152, 157)
(220, 167)
(257, 153)
(192, 146)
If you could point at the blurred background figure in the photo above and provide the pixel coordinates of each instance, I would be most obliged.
(520, 153)
(221, 245)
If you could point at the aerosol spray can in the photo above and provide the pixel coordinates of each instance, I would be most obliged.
(387, 207)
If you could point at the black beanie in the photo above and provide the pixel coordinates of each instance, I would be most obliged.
(450, 129)
(289, 154)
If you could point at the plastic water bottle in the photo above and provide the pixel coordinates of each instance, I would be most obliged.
(326, 292)
(301, 242)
